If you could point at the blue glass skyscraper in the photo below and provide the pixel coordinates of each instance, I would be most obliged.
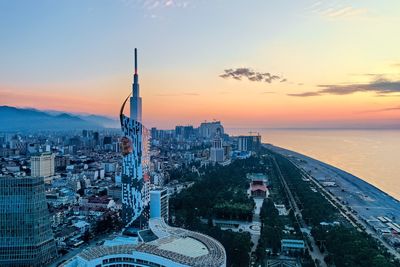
(26, 238)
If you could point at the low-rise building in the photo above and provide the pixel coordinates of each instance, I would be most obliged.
(258, 185)
(292, 246)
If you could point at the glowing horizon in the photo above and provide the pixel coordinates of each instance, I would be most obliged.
(303, 64)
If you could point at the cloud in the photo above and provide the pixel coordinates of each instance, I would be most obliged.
(156, 4)
(348, 11)
(315, 5)
(251, 75)
(153, 4)
(305, 94)
(179, 94)
(335, 11)
(381, 110)
(387, 95)
(380, 87)
(375, 76)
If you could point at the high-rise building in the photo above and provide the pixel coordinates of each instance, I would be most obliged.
(209, 129)
(61, 162)
(217, 151)
(107, 140)
(159, 201)
(227, 150)
(135, 179)
(154, 243)
(43, 165)
(154, 133)
(249, 143)
(96, 138)
(26, 238)
(179, 131)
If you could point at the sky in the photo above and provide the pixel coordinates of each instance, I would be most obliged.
(258, 63)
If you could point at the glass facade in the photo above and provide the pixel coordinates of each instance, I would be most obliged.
(26, 238)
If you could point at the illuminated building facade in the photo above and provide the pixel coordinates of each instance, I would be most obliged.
(135, 151)
(147, 242)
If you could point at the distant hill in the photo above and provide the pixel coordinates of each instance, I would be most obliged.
(101, 120)
(26, 119)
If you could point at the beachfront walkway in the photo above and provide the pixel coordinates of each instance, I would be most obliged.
(314, 251)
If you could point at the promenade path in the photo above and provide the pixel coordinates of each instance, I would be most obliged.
(314, 251)
(351, 194)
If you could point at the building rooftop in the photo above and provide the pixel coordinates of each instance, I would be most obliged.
(187, 246)
(176, 244)
(258, 187)
(292, 243)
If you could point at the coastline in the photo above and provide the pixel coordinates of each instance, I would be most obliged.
(366, 200)
(369, 154)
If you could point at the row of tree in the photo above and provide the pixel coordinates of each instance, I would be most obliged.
(271, 229)
(345, 245)
(315, 208)
(348, 247)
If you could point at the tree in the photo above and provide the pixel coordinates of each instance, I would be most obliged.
(86, 236)
(104, 225)
(221, 192)
(81, 192)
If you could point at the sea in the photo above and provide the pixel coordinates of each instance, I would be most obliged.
(371, 155)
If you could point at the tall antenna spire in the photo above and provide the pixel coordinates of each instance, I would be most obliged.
(135, 86)
(135, 60)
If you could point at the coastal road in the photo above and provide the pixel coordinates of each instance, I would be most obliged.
(314, 251)
(346, 212)
(354, 219)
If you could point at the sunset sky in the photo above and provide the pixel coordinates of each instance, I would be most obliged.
(249, 63)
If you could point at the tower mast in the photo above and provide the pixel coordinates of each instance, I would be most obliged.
(136, 100)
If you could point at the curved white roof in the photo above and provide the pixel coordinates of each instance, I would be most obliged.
(176, 244)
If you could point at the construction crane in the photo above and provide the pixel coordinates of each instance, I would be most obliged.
(251, 133)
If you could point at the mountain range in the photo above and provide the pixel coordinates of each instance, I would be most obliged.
(28, 119)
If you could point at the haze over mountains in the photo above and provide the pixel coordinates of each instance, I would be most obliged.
(27, 119)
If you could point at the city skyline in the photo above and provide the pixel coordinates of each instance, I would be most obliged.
(303, 64)
(192, 133)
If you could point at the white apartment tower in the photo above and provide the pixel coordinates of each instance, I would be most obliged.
(42, 165)
(217, 151)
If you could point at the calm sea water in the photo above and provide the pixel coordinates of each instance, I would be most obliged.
(372, 155)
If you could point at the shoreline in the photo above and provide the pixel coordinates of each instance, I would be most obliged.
(370, 155)
(367, 201)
